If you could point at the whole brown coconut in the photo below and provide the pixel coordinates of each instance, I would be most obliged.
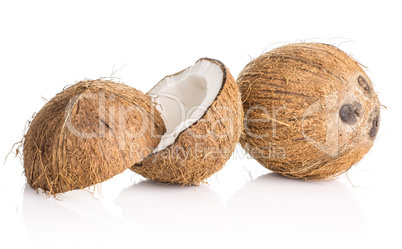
(87, 134)
(310, 111)
(202, 110)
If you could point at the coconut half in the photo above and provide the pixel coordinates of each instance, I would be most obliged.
(89, 133)
(203, 115)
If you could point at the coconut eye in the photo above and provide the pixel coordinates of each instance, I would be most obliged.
(364, 84)
(350, 112)
(374, 125)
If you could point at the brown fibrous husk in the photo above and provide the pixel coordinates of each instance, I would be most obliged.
(310, 110)
(203, 148)
(88, 133)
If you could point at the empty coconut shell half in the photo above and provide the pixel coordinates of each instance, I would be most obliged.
(88, 133)
(203, 115)
(310, 110)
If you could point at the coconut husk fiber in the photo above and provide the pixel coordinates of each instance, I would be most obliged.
(311, 111)
(203, 148)
(88, 133)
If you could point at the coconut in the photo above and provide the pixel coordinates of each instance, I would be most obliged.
(203, 115)
(310, 110)
(88, 133)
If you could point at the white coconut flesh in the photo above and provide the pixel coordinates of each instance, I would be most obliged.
(182, 99)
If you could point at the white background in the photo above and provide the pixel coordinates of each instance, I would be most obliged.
(46, 45)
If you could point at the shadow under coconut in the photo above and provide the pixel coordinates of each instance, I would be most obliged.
(74, 217)
(171, 209)
(274, 204)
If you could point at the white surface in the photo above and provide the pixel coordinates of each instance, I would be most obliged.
(183, 98)
(46, 45)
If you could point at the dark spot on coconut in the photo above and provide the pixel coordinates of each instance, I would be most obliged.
(350, 112)
(364, 84)
(104, 122)
(374, 126)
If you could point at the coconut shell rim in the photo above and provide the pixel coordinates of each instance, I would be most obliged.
(224, 80)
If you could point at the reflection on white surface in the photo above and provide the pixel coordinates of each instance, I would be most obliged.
(173, 209)
(76, 217)
(266, 207)
(276, 204)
